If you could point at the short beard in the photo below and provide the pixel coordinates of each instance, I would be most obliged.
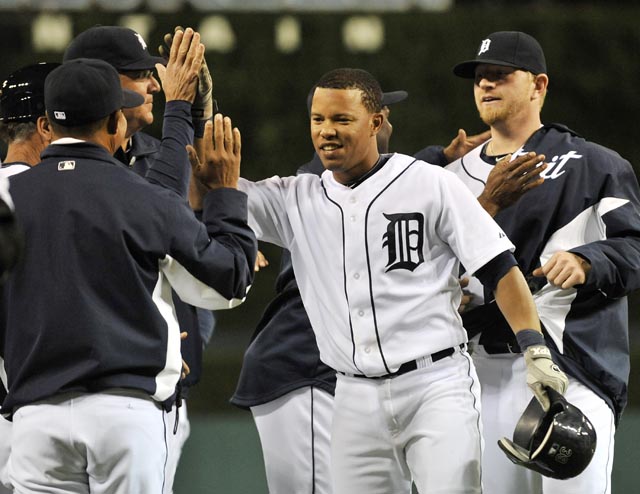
(491, 116)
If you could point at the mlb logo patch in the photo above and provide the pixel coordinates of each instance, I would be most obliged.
(66, 165)
(60, 115)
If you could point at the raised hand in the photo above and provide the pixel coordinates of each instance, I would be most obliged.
(180, 77)
(217, 164)
(203, 106)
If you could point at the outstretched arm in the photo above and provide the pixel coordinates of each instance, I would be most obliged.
(179, 78)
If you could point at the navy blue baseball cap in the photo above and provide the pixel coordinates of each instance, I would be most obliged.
(393, 97)
(22, 93)
(85, 90)
(120, 46)
(508, 48)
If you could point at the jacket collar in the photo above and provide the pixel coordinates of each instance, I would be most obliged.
(81, 149)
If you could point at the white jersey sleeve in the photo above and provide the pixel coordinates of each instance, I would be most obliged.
(268, 216)
(463, 221)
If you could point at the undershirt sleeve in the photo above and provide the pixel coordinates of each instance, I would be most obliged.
(492, 272)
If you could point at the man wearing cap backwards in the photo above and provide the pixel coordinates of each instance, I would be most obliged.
(127, 52)
(374, 244)
(92, 349)
(577, 238)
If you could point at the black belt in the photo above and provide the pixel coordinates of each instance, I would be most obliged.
(410, 366)
(498, 348)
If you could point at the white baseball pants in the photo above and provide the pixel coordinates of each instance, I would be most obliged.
(423, 425)
(175, 443)
(295, 432)
(5, 450)
(104, 443)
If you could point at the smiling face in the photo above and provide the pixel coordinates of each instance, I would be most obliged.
(502, 93)
(144, 83)
(343, 132)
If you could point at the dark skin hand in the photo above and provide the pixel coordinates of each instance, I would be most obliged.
(509, 180)
(185, 368)
(466, 296)
(461, 144)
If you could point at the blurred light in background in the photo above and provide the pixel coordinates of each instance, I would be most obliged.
(141, 24)
(51, 32)
(58, 4)
(363, 34)
(288, 34)
(235, 5)
(349, 5)
(164, 5)
(217, 34)
(435, 5)
(120, 5)
(238, 5)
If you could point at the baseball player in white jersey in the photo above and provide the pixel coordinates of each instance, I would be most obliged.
(376, 243)
(576, 237)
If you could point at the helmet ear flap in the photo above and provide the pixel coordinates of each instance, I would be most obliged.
(515, 453)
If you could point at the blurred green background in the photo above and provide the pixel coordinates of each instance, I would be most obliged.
(592, 57)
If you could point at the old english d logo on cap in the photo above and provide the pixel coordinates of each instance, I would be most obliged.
(484, 46)
(507, 48)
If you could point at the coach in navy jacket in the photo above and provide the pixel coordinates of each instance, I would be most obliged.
(85, 310)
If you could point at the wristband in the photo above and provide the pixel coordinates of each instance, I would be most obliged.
(199, 122)
(198, 127)
(529, 337)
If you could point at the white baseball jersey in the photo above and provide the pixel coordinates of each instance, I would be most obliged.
(377, 265)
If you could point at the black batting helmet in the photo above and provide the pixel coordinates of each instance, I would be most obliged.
(22, 93)
(558, 443)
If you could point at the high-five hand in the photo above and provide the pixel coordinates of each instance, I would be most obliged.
(180, 77)
(219, 162)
